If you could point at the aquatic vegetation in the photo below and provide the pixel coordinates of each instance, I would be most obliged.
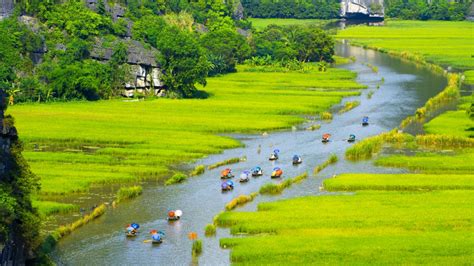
(314, 127)
(332, 159)
(400, 182)
(197, 247)
(126, 193)
(273, 189)
(325, 116)
(374, 69)
(225, 162)
(210, 230)
(354, 228)
(239, 201)
(366, 148)
(198, 170)
(46, 208)
(176, 178)
(349, 106)
(369, 95)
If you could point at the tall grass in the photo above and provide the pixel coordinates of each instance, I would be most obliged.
(325, 116)
(349, 106)
(197, 248)
(444, 141)
(273, 189)
(176, 178)
(198, 170)
(331, 160)
(239, 201)
(126, 193)
(46, 208)
(366, 148)
(210, 230)
(225, 162)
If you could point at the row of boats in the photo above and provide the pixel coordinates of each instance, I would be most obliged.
(156, 237)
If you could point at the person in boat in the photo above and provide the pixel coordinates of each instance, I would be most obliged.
(132, 229)
(297, 159)
(351, 138)
(365, 121)
(174, 215)
(244, 177)
(226, 173)
(156, 237)
(326, 137)
(277, 172)
(227, 185)
(257, 171)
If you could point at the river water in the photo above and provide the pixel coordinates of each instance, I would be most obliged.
(102, 242)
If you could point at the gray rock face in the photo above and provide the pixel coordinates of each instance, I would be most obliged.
(362, 9)
(6, 8)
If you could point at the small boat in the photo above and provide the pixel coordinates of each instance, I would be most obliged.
(351, 138)
(297, 159)
(326, 138)
(131, 234)
(156, 237)
(365, 121)
(274, 155)
(257, 171)
(132, 230)
(174, 215)
(227, 185)
(226, 173)
(244, 177)
(277, 172)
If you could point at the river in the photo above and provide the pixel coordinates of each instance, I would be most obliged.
(102, 242)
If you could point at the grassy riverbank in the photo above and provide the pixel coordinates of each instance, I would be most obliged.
(445, 43)
(75, 145)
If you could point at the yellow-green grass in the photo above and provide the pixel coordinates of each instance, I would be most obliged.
(239, 201)
(126, 193)
(446, 43)
(434, 163)
(176, 178)
(349, 106)
(366, 228)
(197, 248)
(225, 162)
(75, 145)
(46, 208)
(456, 123)
(210, 230)
(198, 170)
(366, 181)
(469, 77)
(332, 159)
(273, 189)
(261, 23)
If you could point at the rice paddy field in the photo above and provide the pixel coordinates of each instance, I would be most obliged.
(73, 146)
(445, 43)
(261, 23)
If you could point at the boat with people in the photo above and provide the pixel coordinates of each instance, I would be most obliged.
(132, 230)
(257, 171)
(326, 138)
(365, 121)
(227, 185)
(351, 138)
(245, 176)
(226, 173)
(297, 159)
(156, 237)
(174, 215)
(277, 172)
(274, 155)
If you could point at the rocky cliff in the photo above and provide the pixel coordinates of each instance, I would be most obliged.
(362, 9)
(6, 8)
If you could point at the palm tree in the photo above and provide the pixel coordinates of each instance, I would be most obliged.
(11, 94)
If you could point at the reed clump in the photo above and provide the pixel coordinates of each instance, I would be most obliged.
(314, 127)
(332, 159)
(444, 141)
(198, 170)
(225, 162)
(349, 106)
(210, 230)
(197, 248)
(65, 230)
(274, 189)
(126, 193)
(239, 201)
(366, 148)
(326, 116)
(176, 178)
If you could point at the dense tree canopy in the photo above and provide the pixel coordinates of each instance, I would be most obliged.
(323, 9)
(424, 10)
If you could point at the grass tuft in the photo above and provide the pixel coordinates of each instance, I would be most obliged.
(176, 178)
(126, 193)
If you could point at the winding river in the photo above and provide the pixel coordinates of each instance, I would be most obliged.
(102, 242)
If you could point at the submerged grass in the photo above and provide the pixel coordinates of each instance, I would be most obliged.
(225, 162)
(349, 106)
(210, 230)
(126, 193)
(176, 178)
(274, 189)
(332, 159)
(239, 201)
(197, 248)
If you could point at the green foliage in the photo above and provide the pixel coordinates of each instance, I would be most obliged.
(274, 189)
(331, 160)
(126, 193)
(349, 106)
(198, 170)
(210, 230)
(304, 43)
(424, 10)
(291, 9)
(176, 178)
(239, 201)
(46, 208)
(197, 248)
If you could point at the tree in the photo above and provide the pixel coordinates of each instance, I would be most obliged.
(101, 8)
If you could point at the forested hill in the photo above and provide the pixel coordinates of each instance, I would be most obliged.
(97, 49)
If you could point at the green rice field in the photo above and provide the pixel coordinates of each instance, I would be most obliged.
(445, 43)
(75, 145)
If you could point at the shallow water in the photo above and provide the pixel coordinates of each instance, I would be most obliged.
(102, 242)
